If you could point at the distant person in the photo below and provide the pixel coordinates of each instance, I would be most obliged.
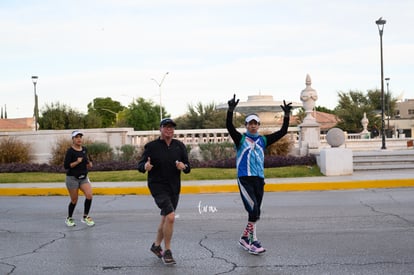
(374, 131)
(77, 164)
(250, 148)
(164, 159)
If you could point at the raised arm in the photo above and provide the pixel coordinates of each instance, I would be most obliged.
(235, 135)
(275, 136)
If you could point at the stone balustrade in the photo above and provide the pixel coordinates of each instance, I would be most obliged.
(198, 136)
(43, 141)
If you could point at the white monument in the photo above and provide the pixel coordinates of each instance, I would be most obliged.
(364, 121)
(309, 141)
(336, 161)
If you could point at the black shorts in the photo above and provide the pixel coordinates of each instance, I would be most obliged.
(166, 202)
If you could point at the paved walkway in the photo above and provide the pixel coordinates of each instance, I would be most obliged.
(359, 180)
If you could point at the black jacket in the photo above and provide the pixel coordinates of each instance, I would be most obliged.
(164, 175)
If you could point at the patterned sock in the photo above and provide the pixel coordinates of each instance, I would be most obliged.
(254, 238)
(248, 231)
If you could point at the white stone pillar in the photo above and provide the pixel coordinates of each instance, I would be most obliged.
(336, 161)
(309, 141)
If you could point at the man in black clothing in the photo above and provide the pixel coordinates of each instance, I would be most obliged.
(164, 159)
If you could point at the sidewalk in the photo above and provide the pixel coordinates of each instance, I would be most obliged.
(359, 180)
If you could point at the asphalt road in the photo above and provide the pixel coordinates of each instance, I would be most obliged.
(321, 232)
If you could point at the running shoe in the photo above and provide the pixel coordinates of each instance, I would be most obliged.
(157, 250)
(70, 222)
(168, 258)
(244, 243)
(88, 220)
(256, 248)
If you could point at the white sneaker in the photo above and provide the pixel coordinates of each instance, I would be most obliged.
(70, 222)
(88, 220)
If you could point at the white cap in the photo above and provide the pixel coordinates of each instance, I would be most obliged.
(252, 117)
(75, 133)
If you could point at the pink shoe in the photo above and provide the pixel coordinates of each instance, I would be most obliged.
(244, 243)
(256, 248)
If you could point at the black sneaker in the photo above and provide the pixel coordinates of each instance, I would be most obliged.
(157, 250)
(168, 258)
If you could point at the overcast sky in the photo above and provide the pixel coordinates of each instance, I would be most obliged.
(81, 50)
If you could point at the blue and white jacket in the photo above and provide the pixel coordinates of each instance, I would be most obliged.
(250, 156)
(250, 148)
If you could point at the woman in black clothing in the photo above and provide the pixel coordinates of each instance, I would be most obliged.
(77, 164)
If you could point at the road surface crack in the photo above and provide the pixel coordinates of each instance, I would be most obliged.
(373, 209)
(233, 265)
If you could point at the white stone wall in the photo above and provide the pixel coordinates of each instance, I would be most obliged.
(42, 141)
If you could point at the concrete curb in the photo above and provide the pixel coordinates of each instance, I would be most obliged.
(210, 187)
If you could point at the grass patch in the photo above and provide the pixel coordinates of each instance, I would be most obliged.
(134, 175)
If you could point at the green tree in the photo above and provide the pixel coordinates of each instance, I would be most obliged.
(204, 117)
(93, 120)
(324, 109)
(197, 116)
(75, 120)
(107, 109)
(143, 115)
(57, 116)
(351, 108)
(122, 122)
(390, 103)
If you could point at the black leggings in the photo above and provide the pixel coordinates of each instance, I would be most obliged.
(251, 191)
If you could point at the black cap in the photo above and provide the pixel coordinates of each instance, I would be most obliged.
(167, 121)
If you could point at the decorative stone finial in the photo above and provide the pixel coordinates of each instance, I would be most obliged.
(364, 122)
(308, 96)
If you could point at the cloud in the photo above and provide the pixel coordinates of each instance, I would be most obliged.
(86, 49)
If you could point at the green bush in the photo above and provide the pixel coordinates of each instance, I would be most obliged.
(99, 152)
(216, 151)
(59, 151)
(225, 150)
(60, 148)
(15, 151)
(128, 152)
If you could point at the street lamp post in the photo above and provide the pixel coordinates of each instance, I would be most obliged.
(36, 110)
(388, 103)
(110, 111)
(380, 23)
(159, 89)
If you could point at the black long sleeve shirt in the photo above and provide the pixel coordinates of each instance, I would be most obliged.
(271, 138)
(164, 174)
(72, 155)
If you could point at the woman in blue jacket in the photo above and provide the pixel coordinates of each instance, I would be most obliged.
(250, 148)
